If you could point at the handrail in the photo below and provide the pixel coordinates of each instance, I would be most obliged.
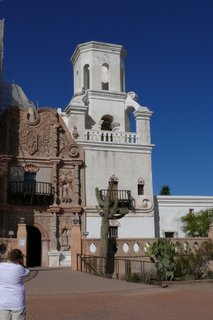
(128, 269)
(117, 194)
(87, 260)
(124, 197)
(30, 188)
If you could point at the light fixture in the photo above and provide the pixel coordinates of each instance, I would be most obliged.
(85, 233)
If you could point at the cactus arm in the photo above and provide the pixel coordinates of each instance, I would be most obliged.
(100, 211)
(99, 197)
(106, 204)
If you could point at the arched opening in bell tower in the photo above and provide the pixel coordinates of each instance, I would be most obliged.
(86, 77)
(106, 123)
(130, 122)
(105, 76)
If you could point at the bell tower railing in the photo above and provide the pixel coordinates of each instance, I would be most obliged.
(112, 136)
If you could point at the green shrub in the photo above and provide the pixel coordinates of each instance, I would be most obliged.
(194, 264)
(197, 224)
(162, 253)
(134, 277)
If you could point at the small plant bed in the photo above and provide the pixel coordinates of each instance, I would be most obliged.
(180, 264)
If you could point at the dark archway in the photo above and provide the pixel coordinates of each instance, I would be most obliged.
(107, 122)
(33, 247)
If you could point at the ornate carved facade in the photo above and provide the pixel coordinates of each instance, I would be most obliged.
(41, 181)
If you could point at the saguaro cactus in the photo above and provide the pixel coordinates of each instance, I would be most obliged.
(108, 209)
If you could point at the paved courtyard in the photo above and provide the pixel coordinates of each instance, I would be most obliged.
(60, 294)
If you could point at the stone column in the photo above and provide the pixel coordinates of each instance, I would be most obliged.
(22, 238)
(54, 254)
(75, 245)
(53, 240)
(44, 253)
(76, 185)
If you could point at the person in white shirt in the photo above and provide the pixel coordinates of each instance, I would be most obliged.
(12, 290)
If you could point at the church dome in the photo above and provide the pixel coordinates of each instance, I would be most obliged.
(12, 95)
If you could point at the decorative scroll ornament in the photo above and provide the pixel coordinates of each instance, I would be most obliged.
(115, 126)
(132, 95)
(73, 151)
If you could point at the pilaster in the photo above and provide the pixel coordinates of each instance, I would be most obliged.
(22, 238)
(75, 244)
(142, 117)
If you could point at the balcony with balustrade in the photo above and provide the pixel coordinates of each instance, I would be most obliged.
(30, 193)
(125, 199)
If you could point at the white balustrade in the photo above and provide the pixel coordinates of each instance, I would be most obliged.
(111, 136)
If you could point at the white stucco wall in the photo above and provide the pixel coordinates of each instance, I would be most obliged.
(131, 226)
(128, 164)
(172, 208)
(107, 103)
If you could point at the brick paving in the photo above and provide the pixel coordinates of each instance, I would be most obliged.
(60, 294)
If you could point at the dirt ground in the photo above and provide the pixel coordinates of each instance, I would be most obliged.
(66, 295)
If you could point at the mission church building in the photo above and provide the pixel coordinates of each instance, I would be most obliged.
(100, 115)
(51, 162)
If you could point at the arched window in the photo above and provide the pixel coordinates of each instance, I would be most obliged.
(86, 77)
(140, 186)
(105, 76)
(106, 122)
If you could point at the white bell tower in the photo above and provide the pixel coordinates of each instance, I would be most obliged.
(98, 67)
(98, 117)
(99, 71)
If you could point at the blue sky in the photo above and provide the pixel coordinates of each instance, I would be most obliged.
(169, 65)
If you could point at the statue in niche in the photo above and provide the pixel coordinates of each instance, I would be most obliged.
(65, 187)
(64, 240)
